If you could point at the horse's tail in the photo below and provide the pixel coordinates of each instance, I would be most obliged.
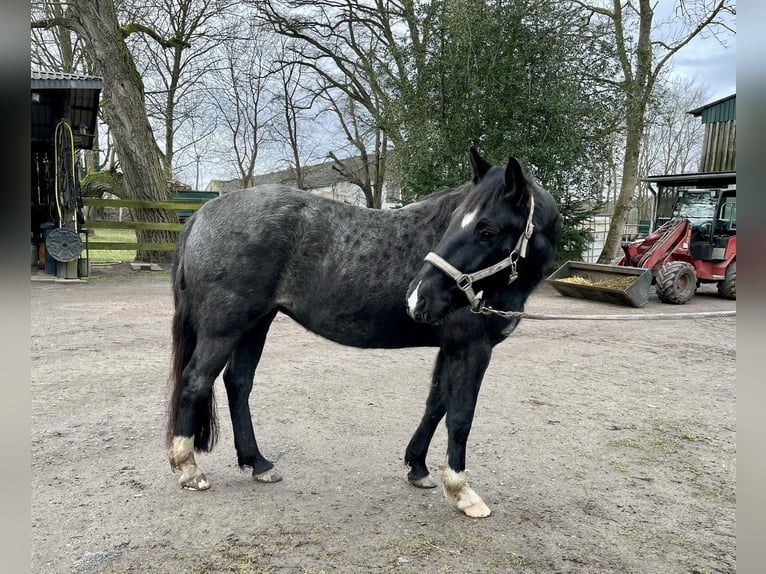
(184, 340)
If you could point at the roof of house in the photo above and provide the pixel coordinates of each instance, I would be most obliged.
(314, 176)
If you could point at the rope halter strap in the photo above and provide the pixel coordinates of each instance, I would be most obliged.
(465, 281)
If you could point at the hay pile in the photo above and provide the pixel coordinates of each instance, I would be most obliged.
(619, 283)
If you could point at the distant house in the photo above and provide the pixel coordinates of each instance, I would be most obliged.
(224, 185)
(321, 179)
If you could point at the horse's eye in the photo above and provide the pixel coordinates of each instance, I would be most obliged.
(486, 235)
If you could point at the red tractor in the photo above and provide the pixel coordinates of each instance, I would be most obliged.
(697, 244)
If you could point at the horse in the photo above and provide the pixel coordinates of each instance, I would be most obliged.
(360, 277)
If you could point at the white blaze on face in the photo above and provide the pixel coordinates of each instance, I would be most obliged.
(412, 301)
(468, 218)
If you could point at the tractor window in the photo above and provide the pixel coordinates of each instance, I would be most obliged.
(696, 207)
(727, 216)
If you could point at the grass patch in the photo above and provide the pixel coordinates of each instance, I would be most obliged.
(629, 442)
(112, 255)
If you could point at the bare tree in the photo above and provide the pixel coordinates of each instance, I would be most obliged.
(362, 135)
(642, 52)
(175, 50)
(673, 136)
(236, 92)
(56, 47)
(291, 101)
(355, 49)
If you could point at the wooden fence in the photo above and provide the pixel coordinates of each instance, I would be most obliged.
(183, 206)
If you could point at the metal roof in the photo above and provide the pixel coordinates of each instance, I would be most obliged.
(721, 110)
(45, 79)
(57, 96)
(686, 179)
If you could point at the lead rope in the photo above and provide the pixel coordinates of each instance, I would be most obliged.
(485, 310)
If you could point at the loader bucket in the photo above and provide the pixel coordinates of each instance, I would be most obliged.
(606, 283)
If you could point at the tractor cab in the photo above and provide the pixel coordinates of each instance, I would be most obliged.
(712, 214)
(694, 239)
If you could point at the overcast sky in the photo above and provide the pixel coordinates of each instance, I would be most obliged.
(709, 64)
(704, 59)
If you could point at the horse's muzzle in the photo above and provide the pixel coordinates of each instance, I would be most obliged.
(418, 307)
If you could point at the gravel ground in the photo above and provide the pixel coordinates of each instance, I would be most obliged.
(600, 446)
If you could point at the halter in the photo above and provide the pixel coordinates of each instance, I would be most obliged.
(465, 281)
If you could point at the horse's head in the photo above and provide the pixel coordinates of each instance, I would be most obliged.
(504, 232)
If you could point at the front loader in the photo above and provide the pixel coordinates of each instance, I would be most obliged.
(696, 244)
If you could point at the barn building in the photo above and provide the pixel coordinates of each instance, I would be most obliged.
(719, 147)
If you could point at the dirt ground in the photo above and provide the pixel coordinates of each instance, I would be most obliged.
(600, 446)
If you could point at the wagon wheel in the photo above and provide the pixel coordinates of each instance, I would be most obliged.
(676, 282)
(63, 244)
(728, 287)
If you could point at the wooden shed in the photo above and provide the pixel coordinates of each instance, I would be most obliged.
(719, 147)
(64, 120)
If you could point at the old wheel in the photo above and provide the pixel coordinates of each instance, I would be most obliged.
(728, 287)
(676, 282)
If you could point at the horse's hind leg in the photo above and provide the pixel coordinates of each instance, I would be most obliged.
(195, 420)
(417, 449)
(238, 378)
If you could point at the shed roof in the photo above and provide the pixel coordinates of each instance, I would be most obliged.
(60, 96)
(694, 179)
(721, 110)
(50, 80)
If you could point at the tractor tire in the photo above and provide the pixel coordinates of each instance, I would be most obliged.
(676, 282)
(728, 287)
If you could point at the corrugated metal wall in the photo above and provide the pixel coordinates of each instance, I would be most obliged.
(720, 112)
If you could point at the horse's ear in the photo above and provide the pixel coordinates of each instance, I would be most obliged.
(479, 167)
(516, 181)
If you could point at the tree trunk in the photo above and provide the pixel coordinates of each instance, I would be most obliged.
(623, 201)
(122, 105)
(638, 86)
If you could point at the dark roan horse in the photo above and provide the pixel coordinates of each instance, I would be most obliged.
(410, 277)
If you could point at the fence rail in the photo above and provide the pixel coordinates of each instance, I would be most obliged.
(184, 207)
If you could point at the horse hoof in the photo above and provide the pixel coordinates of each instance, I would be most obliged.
(425, 482)
(478, 510)
(270, 475)
(196, 482)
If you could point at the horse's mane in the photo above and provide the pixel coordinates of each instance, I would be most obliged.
(440, 204)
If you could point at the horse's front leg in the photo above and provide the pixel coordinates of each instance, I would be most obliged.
(417, 449)
(463, 374)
